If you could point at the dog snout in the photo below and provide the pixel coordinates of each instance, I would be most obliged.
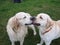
(33, 18)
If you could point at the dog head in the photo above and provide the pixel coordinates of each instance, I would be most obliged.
(42, 19)
(20, 19)
(23, 18)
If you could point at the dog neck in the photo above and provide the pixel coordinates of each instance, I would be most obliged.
(48, 27)
(20, 27)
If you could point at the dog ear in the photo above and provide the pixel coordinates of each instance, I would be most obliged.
(16, 24)
(49, 22)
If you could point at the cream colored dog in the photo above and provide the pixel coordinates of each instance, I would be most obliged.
(48, 28)
(17, 27)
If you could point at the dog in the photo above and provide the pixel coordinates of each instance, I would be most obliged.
(48, 29)
(17, 27)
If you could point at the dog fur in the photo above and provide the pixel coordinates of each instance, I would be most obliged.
(48, 28)
(17, 29)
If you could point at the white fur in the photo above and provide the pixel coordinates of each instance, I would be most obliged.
(17, 29)
(54, 32)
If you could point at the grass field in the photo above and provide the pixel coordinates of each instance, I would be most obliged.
(8, 9)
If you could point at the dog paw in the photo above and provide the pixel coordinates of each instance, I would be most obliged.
(35, 33)
(38, 44)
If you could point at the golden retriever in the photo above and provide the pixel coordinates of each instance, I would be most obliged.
(17, 27)
(48, 28)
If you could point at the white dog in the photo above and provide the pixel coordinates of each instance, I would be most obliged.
(48, 28)
(17, 27)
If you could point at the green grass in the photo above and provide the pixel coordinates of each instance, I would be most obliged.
(8, 9)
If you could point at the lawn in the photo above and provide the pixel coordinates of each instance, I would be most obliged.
(8, 9)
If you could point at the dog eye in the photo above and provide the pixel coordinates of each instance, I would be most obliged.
(41, 17)
(24, 17)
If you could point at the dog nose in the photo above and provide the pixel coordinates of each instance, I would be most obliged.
(32, 18)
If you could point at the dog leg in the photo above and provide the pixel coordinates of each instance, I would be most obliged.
(34, 31)
(21, 42)
(12, 43)
(48, 43)
(33, 28)
(40, 42)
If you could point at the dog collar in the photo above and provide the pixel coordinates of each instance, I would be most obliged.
(48, 29)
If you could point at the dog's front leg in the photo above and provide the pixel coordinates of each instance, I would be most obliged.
(41, 42)
(48, 42)
(12, 43)
(21, 41)
(33, 28)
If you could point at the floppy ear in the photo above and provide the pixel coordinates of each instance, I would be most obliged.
(16, 24)
(49, 22)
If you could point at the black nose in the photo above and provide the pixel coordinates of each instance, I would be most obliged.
(32, 18)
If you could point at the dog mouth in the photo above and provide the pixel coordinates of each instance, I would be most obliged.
(37, 24)
(33, 23)
(28, 24)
